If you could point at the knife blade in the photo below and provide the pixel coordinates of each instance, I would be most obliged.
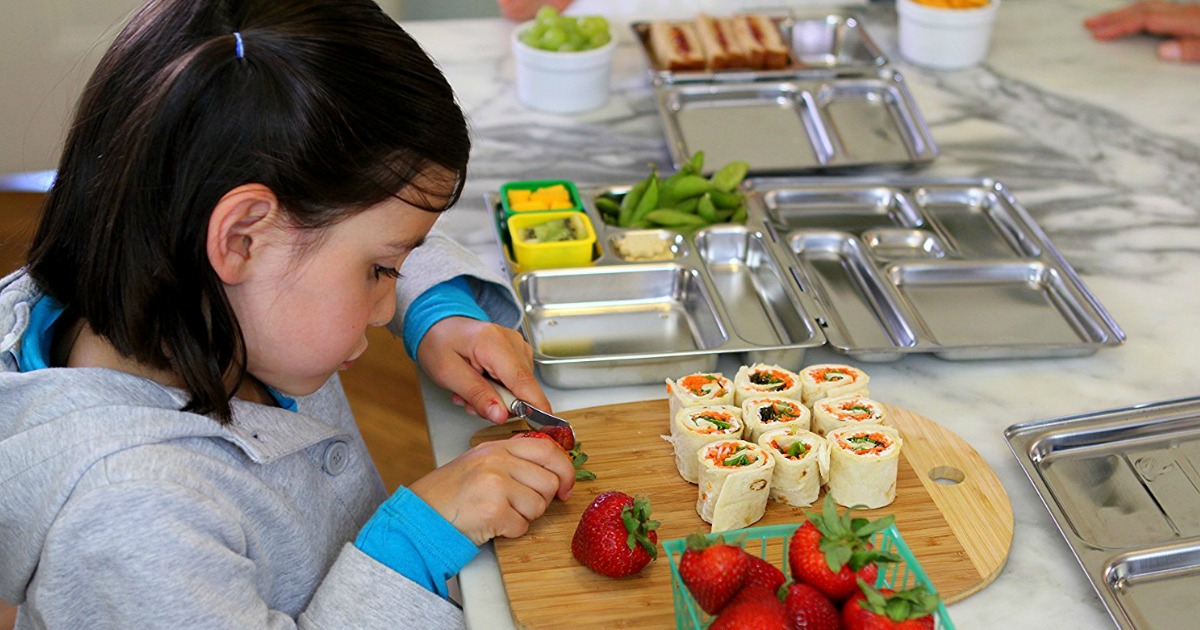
(534, 417)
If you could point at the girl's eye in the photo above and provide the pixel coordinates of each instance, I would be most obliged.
(390, 272)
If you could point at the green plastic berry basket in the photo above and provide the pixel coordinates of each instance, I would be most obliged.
(771, 542)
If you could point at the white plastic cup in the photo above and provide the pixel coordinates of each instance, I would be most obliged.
(945, 39)
(562, 82)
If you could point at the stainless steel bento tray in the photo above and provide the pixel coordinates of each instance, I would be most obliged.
(838, 105)
(821, 43)
(1122, 486)
(875, 268)
(797, 125)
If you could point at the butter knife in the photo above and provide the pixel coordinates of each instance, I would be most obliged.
(534, 417)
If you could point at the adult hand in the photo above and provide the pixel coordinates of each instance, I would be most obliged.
(457, 351)
(1156, 17)
(498, 488)
(527, 9)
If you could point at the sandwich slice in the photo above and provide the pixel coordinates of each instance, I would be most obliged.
(722, 49)
(760, 36)
(676, 46)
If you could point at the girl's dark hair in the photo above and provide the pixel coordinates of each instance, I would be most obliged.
(331, 105)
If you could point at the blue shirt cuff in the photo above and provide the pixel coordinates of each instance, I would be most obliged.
(410, 538)
(447, 299)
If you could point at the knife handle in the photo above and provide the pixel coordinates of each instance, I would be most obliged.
(508, 398)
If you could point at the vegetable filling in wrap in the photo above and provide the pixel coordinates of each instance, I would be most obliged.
(801, 464)
(758, 380)
(772, 412)
(846, 411)
(864, 462)
(735, 483)
(697, 426)
(831, 381)
(698, 389)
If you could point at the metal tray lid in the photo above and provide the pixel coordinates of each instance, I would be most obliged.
(1122, 487)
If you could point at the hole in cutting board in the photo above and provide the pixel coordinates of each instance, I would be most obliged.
(947, 475)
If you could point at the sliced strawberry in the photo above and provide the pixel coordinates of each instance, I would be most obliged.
(578, 457)
(806, 608)
(615, 536)
(562, 435)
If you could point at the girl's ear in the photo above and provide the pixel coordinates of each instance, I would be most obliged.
(238, 228)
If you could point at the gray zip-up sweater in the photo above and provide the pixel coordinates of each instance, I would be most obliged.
(117, 510)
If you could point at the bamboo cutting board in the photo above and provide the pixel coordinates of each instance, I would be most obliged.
(950, 508)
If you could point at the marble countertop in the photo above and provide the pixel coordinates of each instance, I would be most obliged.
(1099, 141)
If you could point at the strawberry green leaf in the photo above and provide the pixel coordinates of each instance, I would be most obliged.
(638, 525)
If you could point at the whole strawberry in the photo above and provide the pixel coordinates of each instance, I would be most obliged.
(562, 439)
(712, 571)
(763, 573)
(806, 608)
(755, 607)
(886, 609)
(834, 561)
(615, 536)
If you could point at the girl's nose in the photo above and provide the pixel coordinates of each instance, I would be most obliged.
(385, 306)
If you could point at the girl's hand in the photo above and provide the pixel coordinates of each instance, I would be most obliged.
(455, 353)
(1156, 17)
(498, 488)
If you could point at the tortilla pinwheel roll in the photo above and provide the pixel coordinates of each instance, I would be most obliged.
(863, 464)
(846, 411)
(759, 380)
(735, 482)
(801, 464)
(697, 426)
(698, 389)
(831, 381)
(771, 412)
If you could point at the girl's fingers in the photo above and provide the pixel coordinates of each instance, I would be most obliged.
(1180, 50)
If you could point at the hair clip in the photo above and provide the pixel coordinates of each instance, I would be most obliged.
(239, 50)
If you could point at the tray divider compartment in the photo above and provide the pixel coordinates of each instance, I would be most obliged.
(977, 222)
(753, 294)
(870, 120)
(860, 309)
(1019, 304)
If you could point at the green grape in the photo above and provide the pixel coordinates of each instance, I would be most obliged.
(592, 25)
(532, 35)
(552, 39)
(554, 32)
(547, 15)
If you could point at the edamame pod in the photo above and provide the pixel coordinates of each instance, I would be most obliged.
(690, 186)
(729, 176)
(726, 200)
(648, 202)
(668, 217)
(607, 206)
(706, 210)
(630, 201)
(688, 205)
(739, 215)
(696, 164)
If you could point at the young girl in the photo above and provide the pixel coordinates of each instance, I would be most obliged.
(236, 196)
